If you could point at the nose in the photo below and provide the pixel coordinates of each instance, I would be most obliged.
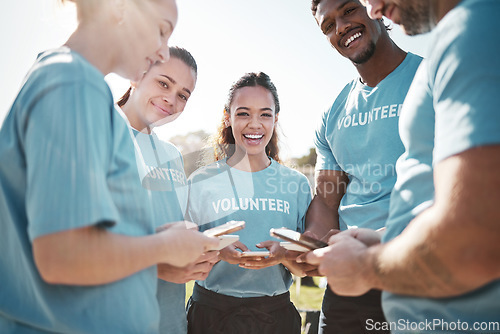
(342, 26)
(375, 8)
(169, 99)
(163, 53)
(254, 122)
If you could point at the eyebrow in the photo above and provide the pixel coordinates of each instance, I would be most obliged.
(246, 108)
(339, 7)
(175, 82)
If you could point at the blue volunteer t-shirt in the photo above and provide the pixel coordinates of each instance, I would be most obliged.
(165, 179)
(67, 161)
(451, 107)
(359, 135)
(274, 197)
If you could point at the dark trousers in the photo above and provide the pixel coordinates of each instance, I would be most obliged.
(213, 313)
(350, 315)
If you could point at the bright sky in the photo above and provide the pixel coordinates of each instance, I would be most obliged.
(227, 38)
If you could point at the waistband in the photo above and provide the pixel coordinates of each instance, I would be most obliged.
(225, 302)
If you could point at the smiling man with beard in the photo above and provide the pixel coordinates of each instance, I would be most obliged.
(438, 261)
(358, 134)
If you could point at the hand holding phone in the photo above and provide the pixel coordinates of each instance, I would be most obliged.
(297, 238)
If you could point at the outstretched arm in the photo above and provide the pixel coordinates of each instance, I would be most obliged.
(93, 255)
(450, 249)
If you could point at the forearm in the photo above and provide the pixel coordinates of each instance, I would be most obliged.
(429, 261)
(452, 247)
(92, 255)
(322, 215)
(320, 218)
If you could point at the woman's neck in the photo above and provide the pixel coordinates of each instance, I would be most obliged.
(134, 119)
(249, 163)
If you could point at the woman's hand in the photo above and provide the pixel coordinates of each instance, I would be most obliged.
(230, 253)
(276, 256)
(198, 270)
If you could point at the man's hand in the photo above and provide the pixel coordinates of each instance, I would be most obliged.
(344, 263)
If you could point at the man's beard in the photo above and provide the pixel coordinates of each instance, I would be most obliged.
(364, 56)
(416, 17)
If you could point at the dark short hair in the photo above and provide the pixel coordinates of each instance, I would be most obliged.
(314, 6)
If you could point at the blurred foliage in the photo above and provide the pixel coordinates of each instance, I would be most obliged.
(308, 159)
(193, 147)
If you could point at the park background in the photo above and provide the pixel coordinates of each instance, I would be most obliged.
(227, 38)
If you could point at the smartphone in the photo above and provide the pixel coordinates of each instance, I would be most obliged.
(255, 254)
(229, 227)
(297, 238)
(226, 240)
(293, 247)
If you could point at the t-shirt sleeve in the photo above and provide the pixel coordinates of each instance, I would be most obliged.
(325, 159)
(68, 150)
(467, 82)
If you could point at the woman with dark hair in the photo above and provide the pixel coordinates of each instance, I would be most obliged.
(248, 183)
(159, 97)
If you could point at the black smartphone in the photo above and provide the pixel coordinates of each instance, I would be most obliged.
(229, 227)
(297, 238)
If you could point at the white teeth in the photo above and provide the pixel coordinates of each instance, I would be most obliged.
(352, 38)
(253, 136)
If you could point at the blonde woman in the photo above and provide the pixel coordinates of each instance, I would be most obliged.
(78, 243)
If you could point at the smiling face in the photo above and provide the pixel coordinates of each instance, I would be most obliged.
(161, 95)
(348, 28)
(415, 17)
(147, 27)
(252, 118)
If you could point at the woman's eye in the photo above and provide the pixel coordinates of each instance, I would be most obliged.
(183, 97)
(163, 84)
(267, 115)
(242, 114)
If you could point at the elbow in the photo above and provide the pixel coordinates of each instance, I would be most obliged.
(48, 269)
(49, 265)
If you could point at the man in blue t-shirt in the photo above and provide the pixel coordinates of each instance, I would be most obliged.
(358, 144)
(439, 260)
